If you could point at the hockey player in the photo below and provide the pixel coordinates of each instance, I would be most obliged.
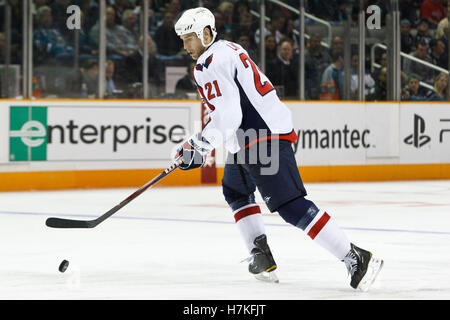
(240, 98)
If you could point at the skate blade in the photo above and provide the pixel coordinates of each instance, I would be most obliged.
(267, 277)
(373, 269)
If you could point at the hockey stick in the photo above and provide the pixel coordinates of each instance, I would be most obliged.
(69, 223)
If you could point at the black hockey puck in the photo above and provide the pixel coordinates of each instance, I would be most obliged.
(63, 266)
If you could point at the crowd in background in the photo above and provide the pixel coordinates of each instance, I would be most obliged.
(71, 71)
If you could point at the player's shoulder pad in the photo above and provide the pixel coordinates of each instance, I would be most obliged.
(228, 50)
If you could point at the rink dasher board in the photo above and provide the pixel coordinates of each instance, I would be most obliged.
(330, 133)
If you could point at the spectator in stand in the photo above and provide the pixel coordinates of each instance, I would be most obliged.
(240, 7)
(245, 27)
(289, 32)
(89, 78)
(316, 56)
(440, 89)
(59, 13)
(410, 66)
(110, 85)
(85, 44)
(437, 54)
(433, 11)
(116, 39)
(369, 82)
(244, 41)
(271, 50)
(226, 8)
(413, 91)
(408, 10)
(423, 32)
(337, 44)
(324, 9)
(331, 84)
(48, 43)
(166, 39)
(91, 10)
(186, 84)
(407, 41)
(134, 63)
(274, 28)
(285, 72)
(443, 25)
(130, 34)
(173, 6)
(381, 86)
(220, 27)
(120, 6)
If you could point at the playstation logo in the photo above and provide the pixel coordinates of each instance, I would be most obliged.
(418, 139)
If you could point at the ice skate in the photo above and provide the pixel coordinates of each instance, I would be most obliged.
(262, 264)
(362, 267)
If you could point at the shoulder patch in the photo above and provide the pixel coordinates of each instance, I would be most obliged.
(208, 61)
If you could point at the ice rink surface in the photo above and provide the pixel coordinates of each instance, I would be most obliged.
(181, 243)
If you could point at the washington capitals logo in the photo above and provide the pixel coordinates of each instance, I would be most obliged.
(206, 64)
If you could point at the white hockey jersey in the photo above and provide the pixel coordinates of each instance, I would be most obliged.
(238, 96)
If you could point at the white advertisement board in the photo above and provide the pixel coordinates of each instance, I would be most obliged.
(97, 132)
(71, 135)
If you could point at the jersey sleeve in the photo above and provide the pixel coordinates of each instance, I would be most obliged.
(221, 95)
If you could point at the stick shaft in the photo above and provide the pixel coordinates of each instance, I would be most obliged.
(69, 223)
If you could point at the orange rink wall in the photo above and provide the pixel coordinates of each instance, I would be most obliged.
(81, 179)
(58, 180)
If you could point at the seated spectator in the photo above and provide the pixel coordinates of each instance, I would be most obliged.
(220, 27)
(245, 27)
(337, 44)
(120, 6)
(274, 28)
(407, 41)
(410, 66)
(186, 84)
(324, 9)
(413, 91)
(110, 85)
(285, 72)
(129, 30)
(331, 84)
(442, 25)
(437, 54)
(271, 50)
(48, 42)
(89, 79)
(423, 32)
(226, 9)
(134, 63)
(408, 10)
(165, 37)
(244, 41)
(85, 44)
(59, 13)
(381, 86)
(440, 89)
(433, 11)
(240, 7)
(116, 39)
(318, 57)
(369, 82)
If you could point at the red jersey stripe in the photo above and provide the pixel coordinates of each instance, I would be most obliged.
(292, 137)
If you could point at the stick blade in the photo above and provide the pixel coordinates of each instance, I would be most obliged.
(68, 223)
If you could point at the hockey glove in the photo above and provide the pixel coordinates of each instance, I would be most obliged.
(191, 157)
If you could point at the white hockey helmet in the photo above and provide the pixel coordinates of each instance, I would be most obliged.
(195, 20)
